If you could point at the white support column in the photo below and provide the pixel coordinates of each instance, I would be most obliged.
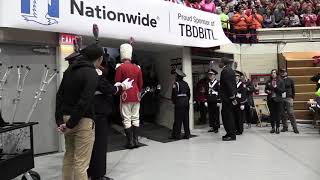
(62, 52)
(187, 69)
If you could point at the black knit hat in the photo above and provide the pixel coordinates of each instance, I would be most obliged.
(212, 71)
(92, 52)
(225, 60)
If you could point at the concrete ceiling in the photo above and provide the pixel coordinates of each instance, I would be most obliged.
(139, 46)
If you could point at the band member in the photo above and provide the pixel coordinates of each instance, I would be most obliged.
(249, 106)
(288, 103)
(180, 98)
(103, 103)
(130, 99)
(274, 88)
(228, 91)
(240, 107)
(201, 97)
(212, 101)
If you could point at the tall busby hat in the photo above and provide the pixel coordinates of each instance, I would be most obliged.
(212, 71)
(126, 50)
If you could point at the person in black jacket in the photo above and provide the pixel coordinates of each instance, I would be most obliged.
(249, 106)
(288, 103)
(103, 107)
(241, 102)
(180, 98)
(228, 91)
(212, 101)
(275, 89)
(74, 112)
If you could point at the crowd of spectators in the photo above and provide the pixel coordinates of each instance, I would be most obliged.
(241, 18)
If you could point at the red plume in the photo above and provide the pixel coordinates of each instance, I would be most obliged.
(131, 41)
(95, 30)
(77, 43)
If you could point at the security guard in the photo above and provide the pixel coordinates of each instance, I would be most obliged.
(180, 98)
(201, 97)
(228, 91)
(213, 100)
(240, 107)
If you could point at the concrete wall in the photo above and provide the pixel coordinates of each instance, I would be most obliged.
(166, 80)
(45, 134)
(17, 49)
(22, 36)
(262, 57)
(294, 34)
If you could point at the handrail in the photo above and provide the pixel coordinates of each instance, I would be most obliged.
(289, 28)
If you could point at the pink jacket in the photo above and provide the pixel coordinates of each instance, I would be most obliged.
(208, 7)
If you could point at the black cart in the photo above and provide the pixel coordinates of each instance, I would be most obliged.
(16, 152)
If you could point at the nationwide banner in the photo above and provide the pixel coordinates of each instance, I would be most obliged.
(151, 21)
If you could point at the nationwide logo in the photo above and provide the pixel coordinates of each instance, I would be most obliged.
(44, 12)
(103, 12)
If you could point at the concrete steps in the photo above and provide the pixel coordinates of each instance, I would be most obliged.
(302, 79)
(300, 63)
(300, 68)
(301, 88)
(303, 71)
(304, 96)
(300, 105)
(303, 114)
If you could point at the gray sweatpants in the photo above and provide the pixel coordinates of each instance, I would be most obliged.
(288, 112)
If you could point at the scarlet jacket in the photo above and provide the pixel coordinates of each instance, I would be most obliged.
(133, 72)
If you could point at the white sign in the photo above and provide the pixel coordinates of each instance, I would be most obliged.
(149, 21)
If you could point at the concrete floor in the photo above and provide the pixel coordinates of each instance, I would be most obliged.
(256, 155)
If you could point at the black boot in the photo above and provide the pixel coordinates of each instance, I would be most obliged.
(272, 131)
(102, 178)
(211, 130)
(277, 131)
(175, 137)
(2, 122)
(135, 137)
(128, 133)
(295, 130)
(284, 129)
(229, 138)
